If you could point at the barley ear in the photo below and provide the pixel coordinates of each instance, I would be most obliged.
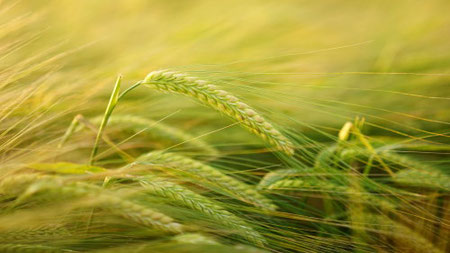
(221, 101)
(277, 175)
(185, 197)
(199, 170)
(28, 248)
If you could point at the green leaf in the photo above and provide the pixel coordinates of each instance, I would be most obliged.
(66, 168)
(109, 109)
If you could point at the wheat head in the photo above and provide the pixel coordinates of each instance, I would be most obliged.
(202, 171)
(185, 197)
(221, 101)
(30, 248)
(108, 200)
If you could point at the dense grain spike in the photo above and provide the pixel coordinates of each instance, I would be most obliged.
(30, 248)
(16, 184)
(402, 234)
(298, 184)
(221, 101)
(426, 178)
(111, 201)
(33, 234)
(188, 198)
(301, 184)
(277, 175)
(194, 238)
(202, 171)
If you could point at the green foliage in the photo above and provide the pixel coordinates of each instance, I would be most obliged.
(66, 168)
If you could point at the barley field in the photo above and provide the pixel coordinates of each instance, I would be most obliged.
(224, 126)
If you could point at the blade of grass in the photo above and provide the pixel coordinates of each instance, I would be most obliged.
(111, 105)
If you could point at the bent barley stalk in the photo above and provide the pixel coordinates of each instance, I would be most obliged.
(197, 169)
(221, 101)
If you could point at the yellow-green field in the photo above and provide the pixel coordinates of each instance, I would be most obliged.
(224, 126)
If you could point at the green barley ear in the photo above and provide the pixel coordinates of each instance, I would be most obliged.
(199, 170)
(221, 101)
(185, 197)
(30, 248)
(194, 238)
(402, 234)
(427, 178)
(416, 173)
(15, 184)
(107, 200)
(34, 234)
(314, 185)
(298, 184)
(277, 175)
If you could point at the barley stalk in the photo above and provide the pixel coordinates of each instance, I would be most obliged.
(221, 101)
(114, 98)
(202, 171)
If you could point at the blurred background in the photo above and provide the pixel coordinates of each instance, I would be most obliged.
(309, 66)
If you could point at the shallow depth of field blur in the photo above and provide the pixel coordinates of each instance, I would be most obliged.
(380, 184)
